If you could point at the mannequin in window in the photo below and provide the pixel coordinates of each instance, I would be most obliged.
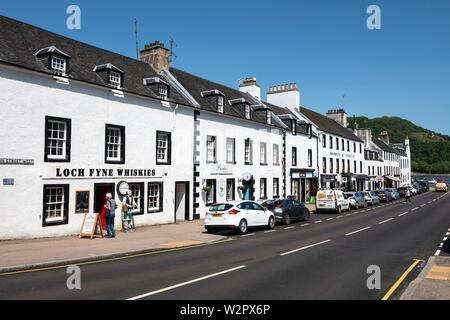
(128, 205)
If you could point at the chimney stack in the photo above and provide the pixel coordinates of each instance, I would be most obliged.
(157, 55)
(340, 116)
(383, 136)
(285, 95)
(251, 87)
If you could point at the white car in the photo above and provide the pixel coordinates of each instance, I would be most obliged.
(332, 200)
(239, 216)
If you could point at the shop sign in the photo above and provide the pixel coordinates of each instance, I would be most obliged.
(22, 162)
(80, 173)
(8, 182)
(221, 169)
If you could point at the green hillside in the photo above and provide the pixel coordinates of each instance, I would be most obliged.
(430, 151)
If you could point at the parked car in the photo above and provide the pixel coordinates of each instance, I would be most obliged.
(430, 180)
(418, 188)
(371, 198)
(441, 185)
(425, 186)
(384, 195)
(394, 192)
(413, 190)
(238, 216)
(287, 210)
(357, 199)
(332, 200)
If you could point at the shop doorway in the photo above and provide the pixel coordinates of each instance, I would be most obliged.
(100, 192)
(248, 191)
(182, 201)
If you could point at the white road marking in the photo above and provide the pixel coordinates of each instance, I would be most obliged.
(318, 221)
(184, 283)
(289, 228)
(340, 217)
(415, 209)
(349, 234)
(307, 247)
(270, 231)
(386, 221)
(248, 235)
(305, 224)
(330, 219)
(423, 205)
(438, 252)
(403, 213)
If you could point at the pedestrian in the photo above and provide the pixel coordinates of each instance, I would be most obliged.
(128, 205)
(110, 214)
(407, 195)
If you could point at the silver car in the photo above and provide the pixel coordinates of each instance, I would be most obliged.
(371, 197)
(357, 200)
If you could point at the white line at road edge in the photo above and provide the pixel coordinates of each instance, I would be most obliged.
(349, 234)
(184, 283)
(307, 247)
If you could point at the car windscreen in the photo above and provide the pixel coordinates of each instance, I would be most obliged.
(221, 207)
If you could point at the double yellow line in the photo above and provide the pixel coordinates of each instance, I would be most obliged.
(400, 280)
(118, 258)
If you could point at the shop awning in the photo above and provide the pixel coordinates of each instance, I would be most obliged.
(362, 177)
(393, 178)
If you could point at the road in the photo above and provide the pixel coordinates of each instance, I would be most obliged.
(326, 258)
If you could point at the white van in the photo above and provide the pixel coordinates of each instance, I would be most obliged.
(332, 200)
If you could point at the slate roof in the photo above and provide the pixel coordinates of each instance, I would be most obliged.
(385, 147)
(280, 111)
(196, 85)
(329, 125)
(20, 41)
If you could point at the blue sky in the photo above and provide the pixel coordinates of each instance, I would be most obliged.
(323, 46)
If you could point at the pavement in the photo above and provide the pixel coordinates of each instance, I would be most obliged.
(19, 255)
(433, 283)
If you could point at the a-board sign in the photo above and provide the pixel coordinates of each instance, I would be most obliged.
(91, 226)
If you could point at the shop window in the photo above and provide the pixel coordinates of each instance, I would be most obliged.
(276, 187)
(115, 144)
(231, 190)
(56, 205)
(137, 190)
(155, 197)
(211, 193)
(57, 139)
(163, 148)
(263, 188)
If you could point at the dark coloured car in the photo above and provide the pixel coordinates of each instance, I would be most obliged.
(287, 210)
(425, 186)
(402, 191)
(384, 195)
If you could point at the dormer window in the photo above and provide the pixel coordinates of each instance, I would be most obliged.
(59, 65)
(220, 104)
(163, 91)
(294, 127)
(247, 111)
(54, 59)
(115, 79)
(269, 117)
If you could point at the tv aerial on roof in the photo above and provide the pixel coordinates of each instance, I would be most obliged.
(172, 53)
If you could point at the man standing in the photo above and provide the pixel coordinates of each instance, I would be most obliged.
(407, 195)
(110, 214)
(128, 205)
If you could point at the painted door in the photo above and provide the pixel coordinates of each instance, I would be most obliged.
(180, 202)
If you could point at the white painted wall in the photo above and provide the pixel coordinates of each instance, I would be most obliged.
(26, 98)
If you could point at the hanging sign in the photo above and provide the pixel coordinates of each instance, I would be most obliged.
(91, 226)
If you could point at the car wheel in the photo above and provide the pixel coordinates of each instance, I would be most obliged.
(287, 219)
(307, 216)
(243, 227)
(271, 224)
(211, 231)
(357, 206)
(339, 210)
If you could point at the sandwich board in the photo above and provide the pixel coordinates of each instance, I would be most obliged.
(91, 226)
